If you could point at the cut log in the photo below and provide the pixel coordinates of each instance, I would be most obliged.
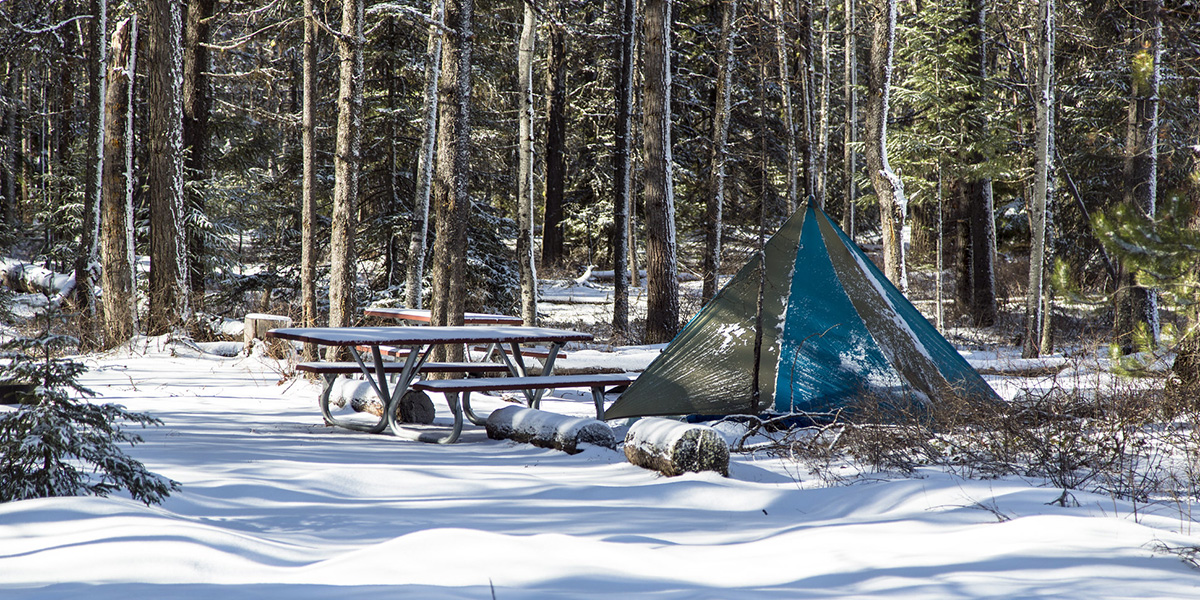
(673, 448)
(256, 327)
(548, 430)
(415, 407)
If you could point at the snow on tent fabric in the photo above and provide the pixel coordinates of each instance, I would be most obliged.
(833, 328)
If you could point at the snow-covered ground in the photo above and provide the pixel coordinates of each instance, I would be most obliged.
(274, 504)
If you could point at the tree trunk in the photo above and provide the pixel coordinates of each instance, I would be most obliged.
(308, 204)
(8, 162)
(711, 269)
(850, 133)
(347, 162)
(169, 308)
(116, 247)
(785, 90)
(452, 201)
(556, 131)
(418, 237)
(621, 180)
(196, 110)
(1043, 186)
(525, 187)
(893, 207)
(822, 158)
(982, 305)
(662, 283)
(1137, 306)
(87, 260)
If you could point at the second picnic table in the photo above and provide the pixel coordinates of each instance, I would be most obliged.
(419, 341)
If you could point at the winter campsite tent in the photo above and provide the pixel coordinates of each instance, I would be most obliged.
(833, 328)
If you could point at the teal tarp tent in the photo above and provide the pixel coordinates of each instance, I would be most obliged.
(833, 327)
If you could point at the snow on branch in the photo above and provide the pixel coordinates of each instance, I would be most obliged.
(398, 10)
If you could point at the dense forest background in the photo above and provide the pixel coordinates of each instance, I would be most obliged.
(1000, 135)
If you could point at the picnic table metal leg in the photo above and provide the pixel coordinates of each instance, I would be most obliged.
(535, 396)
(471, 416)
(434, 438)
(598, 399)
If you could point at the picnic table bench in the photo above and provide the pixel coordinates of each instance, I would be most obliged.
(533, 385)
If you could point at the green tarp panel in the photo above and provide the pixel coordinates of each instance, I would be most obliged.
(833, 328)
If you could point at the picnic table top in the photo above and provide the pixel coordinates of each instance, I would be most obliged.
(419, 336)
(425, 316)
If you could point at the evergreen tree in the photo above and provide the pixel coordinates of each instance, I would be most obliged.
(57, 445)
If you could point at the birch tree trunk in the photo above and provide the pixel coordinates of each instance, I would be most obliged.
(785, 90)
(196, 110)
(621, 180)
(116, 246)
(850, 132)
(556, 133)
(711, 268)
(1137, 306)
(1043, 188)
(87, 260)
(308, 204)
(662, 283)
(451, 197)
(169, 308)
(418, 238)
(893, 206)
(347, 162)
(525, 187)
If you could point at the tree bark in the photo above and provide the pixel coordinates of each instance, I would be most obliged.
(785, 90)
(418, 237)
(714, 207)
(621, 178)
(87, 260)
(169, 307)
(822, 157)
(1137, 306)
(1043, 185)
(525, 187)
(850, 133)
(196, 110)
(8, 162)
(116, 247)
(556, 132)
(893, 206)
(982, 306)
(347, 162)
(308, 204)
(662, 282)
(452, 201)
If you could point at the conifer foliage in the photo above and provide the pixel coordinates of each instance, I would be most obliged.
(55, 443)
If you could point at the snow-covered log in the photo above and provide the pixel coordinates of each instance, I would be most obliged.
(548, 430)
(674, 448)
(30, 278)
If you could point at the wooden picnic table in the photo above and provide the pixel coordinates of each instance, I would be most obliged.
(417, 315)
(420, 341)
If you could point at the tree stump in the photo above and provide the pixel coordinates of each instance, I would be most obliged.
(674, 448)
(256, 327)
